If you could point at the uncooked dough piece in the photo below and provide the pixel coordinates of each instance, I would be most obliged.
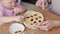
(33, 18)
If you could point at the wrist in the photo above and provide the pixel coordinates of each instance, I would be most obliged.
(57, 23)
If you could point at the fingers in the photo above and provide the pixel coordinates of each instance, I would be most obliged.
(44, 23)
(47, 25)
(21, 19)
(41, 3)
(37, 4)
(44, 28)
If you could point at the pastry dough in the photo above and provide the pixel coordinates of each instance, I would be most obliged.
(33, 18)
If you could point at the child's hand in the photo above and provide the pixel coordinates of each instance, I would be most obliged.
(39, 3)
(19, 19)
(17, 10)
(49, 24)
(21, 10)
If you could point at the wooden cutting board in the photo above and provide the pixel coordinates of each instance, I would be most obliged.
(48, 16)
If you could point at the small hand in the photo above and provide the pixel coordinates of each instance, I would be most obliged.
(19, 19)
(19, 10)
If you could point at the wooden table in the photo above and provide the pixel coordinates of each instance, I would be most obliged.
(48, 15)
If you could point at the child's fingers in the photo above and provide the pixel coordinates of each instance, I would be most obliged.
(21, 19)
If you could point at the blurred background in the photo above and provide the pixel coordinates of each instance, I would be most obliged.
(27, 3)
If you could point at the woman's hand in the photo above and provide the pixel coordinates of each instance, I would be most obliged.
(40, 2)
(49, 24)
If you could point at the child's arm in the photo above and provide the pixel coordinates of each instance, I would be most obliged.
(10, 19)
(6, 19)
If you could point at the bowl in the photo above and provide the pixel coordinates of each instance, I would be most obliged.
(16, 28)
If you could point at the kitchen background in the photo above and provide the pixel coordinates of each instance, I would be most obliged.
(27, 3)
